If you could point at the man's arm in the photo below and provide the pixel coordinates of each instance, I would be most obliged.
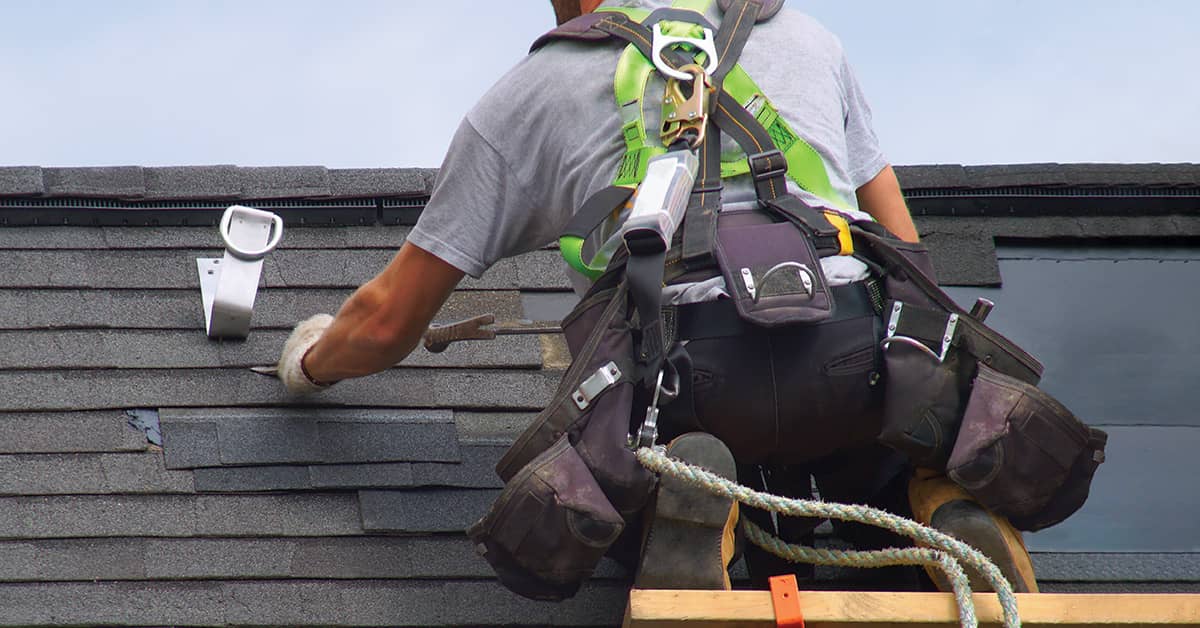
(383, 320)
(881, 197)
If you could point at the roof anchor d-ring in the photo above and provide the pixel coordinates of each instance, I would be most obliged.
(229, 284)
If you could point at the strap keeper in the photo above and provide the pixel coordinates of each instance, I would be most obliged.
(767, 165)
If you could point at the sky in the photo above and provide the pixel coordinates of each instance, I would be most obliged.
(374, 83)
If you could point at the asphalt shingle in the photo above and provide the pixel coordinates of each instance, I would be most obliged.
(90, 474)
(21, 181)
(423, 510)
(350, 182)
(270, 182)
(192, 183)
(68, 432)
(415, 387)
(116, 182)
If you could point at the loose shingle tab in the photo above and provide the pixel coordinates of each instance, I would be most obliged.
(21, 181)
(284, 182)
(423, 510)
(208, 183)
(118, 182)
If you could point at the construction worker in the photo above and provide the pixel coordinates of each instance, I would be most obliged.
(541, 141)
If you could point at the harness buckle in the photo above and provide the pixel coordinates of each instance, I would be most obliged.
(767, 165)
(687, 116)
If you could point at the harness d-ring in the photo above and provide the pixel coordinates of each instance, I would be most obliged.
(662, 41)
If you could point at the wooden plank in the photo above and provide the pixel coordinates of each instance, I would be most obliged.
(710, 609)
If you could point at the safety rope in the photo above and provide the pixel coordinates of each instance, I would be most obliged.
(943, 551)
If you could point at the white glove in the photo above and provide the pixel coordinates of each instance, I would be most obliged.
(303, 337)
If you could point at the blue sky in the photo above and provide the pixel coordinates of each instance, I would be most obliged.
(372, 83)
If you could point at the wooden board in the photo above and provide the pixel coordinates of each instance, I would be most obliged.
(696, 609)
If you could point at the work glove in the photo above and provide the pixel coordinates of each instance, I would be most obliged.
(291, 371)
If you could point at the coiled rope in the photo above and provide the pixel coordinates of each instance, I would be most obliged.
(943, 551)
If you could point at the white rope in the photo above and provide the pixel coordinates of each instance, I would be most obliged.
(944, 551)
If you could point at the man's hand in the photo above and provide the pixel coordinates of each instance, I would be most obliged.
(291, 361)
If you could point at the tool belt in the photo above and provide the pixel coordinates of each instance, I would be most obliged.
(942, 387)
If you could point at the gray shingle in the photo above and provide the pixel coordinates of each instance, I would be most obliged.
(456, 388)
(252, 479)
(190, 349)
(277, 308)
(73, 559)
(477, 469)
(21, 181)
(962, 261)
(351, 182)
(95, 474)
(194, 183)
(1011, 175)
(496, 428)
(370, 603)
(1115, 567)
(284, 182)
(449, 510)
(190, 445)
(87, 516)
(141, 238)
(277, 436)
(288, 268)
(354, 476)
(933, 176)
(116, 182)
(68, 432)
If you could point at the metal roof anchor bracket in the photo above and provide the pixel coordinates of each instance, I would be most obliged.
(229, 284)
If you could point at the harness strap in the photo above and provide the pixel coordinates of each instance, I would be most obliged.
(700, 220)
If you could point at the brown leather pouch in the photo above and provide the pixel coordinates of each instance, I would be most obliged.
(1023, 454)
(549, 527)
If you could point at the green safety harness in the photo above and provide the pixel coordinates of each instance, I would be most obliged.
(774, 150)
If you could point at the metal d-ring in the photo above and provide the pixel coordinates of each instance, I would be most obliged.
(254, 215)
(661, 41)
(913, 342)
(807, 278)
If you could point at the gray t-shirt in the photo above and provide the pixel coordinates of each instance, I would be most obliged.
(547, 136)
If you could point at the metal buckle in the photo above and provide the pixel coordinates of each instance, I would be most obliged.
(688, 114)
(229, 285)
(894, 323)
(707, 45)
(769, 158)
(596, 383)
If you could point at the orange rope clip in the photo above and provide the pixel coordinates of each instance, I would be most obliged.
(785, 597)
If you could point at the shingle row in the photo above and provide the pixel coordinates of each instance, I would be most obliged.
(954, 176)
(219, 183)
(138, 388)
(301, 603)
(289, 268)
(225, 182)
(168, 349)
(181, 309)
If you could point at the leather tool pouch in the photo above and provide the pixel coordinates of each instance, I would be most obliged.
(771, 270)
(571, 482)
(1022, 454)
(930, 356)
(549, 527)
